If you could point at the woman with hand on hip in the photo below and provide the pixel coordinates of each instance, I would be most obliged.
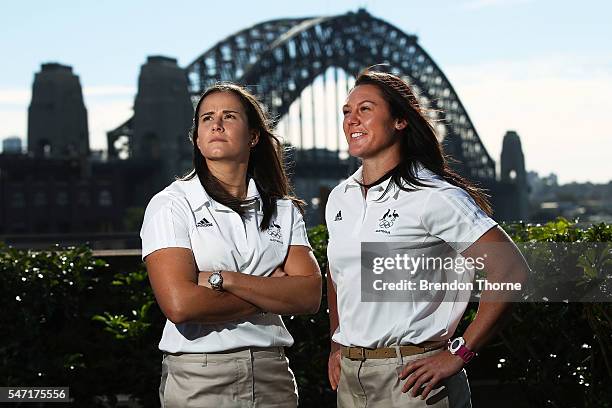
(227, 253)
(398, 354)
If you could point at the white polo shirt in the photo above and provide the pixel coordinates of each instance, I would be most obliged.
(184, 215)
(427, 216)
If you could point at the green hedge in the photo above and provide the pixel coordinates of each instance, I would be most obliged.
(69, 319)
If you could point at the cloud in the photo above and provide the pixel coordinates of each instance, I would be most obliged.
(111, 90)
(557, 104)
(19, 97)
(105, 116)
(15, 97)
(13, 123)
(107, 108)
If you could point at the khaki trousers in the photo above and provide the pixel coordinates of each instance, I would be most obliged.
(255, 377)
(374, 383)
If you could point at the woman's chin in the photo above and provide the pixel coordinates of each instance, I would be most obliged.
(221, 156)
(217, 154)
(357, 151)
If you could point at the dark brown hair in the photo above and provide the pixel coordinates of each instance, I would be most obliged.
(265, 162)
(418, 142)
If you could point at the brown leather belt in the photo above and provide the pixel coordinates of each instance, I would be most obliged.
(362, 353)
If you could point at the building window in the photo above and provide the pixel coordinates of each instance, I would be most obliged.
(83, 199)
(44, 148)
(61, 199)
(105, 199)
(40, 199)
(18, 200)
(18, 227)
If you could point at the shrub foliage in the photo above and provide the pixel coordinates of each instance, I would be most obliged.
(70, 319)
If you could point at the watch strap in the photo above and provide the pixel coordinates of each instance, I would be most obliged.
(462, 351)
(465, 353)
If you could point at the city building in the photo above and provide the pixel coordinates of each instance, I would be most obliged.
(60, 187)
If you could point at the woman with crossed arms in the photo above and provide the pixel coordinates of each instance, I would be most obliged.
(227, 253)
(398, 354)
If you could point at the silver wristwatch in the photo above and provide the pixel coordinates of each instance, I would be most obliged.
(216, 280)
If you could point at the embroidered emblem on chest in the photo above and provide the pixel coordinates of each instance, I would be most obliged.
(274, 230)
(338, 216)
(387, 220)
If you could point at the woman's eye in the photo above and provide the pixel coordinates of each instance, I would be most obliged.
(364, 108)
(344, 113)
(228, 116)
(205, 118)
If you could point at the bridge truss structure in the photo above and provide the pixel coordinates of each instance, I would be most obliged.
(279, 59)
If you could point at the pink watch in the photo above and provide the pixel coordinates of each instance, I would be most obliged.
(457, 347)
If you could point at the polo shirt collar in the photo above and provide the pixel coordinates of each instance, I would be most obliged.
(357, 177)
(198, 197)
(253, 194)
(195, 193)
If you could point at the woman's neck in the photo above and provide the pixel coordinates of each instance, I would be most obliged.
(376, 167)
(231, 175)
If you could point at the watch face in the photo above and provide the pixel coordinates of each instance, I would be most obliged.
(455, 344)
(215, 279)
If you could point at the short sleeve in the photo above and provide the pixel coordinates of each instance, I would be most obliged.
(164, 226)
(453, 216)
(330, 213)
(298, 229)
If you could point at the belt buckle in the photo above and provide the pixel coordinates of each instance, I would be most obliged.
(361, 353)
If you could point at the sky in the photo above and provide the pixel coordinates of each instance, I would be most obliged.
(541, 68)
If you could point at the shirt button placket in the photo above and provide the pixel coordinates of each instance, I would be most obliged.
(240, 232)
(364, 212)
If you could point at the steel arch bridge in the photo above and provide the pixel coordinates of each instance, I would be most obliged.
(278, 59)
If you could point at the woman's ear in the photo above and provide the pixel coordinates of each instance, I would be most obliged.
(400, 124)
(254, 138)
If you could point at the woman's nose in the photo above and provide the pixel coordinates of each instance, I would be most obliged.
(352, 119)
(216, 125)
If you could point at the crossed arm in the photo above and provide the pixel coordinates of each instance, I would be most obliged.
(174, 278)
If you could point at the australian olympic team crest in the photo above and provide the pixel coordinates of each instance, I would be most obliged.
(386, 221)
(274, 230)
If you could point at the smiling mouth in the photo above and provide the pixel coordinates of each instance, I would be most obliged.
(356, 135)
